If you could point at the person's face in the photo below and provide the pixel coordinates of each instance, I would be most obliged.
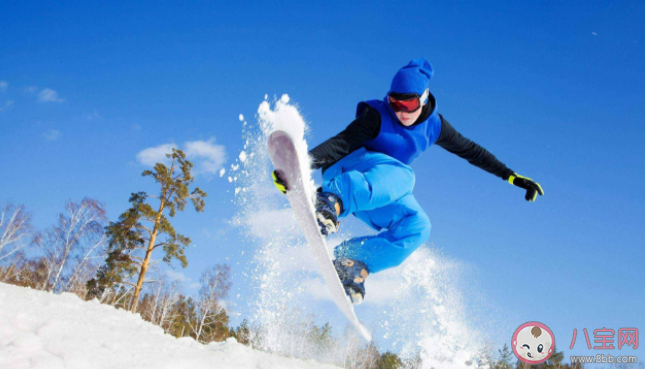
(408, 119)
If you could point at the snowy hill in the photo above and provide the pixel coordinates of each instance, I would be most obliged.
(45, 331)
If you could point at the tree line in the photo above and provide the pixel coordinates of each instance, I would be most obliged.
(86, 254)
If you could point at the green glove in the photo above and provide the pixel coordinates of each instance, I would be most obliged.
(279, 182)
(532, 188)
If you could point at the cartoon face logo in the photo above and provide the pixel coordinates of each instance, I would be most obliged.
(533, 342)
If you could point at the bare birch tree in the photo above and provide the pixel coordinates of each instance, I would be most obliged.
(162, 295)
(164, 302)
(15, 229)
(74, 241)
(215, 284)
(10, 272)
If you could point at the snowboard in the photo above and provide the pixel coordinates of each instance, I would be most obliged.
(285, 160)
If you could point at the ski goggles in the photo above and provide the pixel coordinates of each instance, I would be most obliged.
(406, 102)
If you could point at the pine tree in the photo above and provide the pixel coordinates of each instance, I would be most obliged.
(242, 333)
(183, 317)
(217, 330)
(389, 360)
(556, 358)
(321, 336)
(129, 234)
(505, 357)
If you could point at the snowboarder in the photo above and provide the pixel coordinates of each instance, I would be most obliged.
(366, 173)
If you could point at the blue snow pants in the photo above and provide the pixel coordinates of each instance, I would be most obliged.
(377, 189)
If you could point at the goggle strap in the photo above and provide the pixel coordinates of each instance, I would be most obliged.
(425, 95)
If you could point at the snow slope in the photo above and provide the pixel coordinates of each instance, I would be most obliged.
(41, 330)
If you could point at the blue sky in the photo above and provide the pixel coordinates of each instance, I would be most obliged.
(554, 90)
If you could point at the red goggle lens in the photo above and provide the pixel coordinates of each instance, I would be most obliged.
(407, 105)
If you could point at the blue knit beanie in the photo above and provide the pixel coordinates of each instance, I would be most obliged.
(413, 78)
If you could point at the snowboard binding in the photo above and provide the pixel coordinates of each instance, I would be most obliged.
(326, 212)
(352, 275)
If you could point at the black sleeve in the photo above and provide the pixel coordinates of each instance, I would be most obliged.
(365, 127)
(454, 142)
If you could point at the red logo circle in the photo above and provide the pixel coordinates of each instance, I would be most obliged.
(533, 342)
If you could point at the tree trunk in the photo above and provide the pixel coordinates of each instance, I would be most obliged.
(146, 260)
(60, 269)
(80, 265)
(201, 324)
(153, 314)
(144, 268)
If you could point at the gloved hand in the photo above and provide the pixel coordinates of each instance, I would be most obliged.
(279, 182)
(532, 188)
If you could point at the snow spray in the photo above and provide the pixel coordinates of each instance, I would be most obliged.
(415, 309)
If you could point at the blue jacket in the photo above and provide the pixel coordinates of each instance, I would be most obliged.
(398, 141)
(377, 129)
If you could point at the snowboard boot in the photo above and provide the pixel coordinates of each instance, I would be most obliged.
(328, 206)
(352, 275)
